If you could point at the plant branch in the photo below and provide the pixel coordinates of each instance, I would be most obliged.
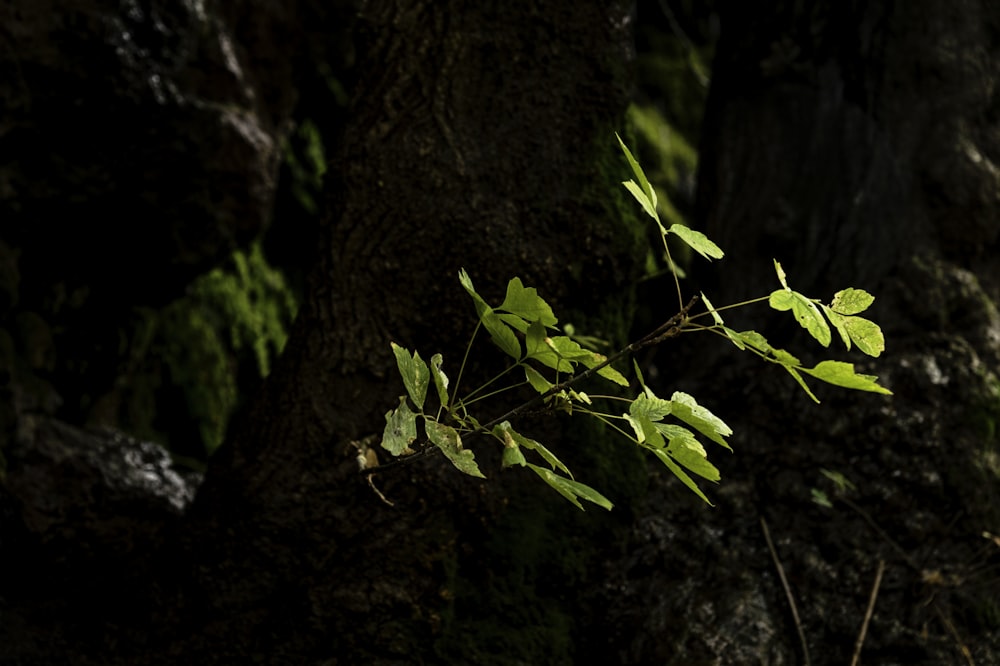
(668, 329)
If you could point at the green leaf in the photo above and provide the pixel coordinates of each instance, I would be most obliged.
(608, 372)
(644, 200)
(806, 313)
(647, 189)
(414, 372)
(839, 373)
(466, 281)
(646, 431)
(527, 304)
(667, 460)
(697, 241)
(851, 301)
(448, 440)
(537, 381)
(511, 451)
(572, 490)
(504, 430)
(691, 454)
(648, 405)
(400, 428)
(781, 273)
(838, 323)
(593, 359)
(821, 498)
(711, 309)
(501, 334)
(866, 335)
(805, 387)
(512, 456)
(687, 409)
(755, 340)
(440, 379)
(842, 482)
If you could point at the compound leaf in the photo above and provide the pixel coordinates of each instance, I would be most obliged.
(449, 441)
(415, 373)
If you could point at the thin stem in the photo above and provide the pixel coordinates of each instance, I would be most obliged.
(673, 271)
(605, 419)
(741, 304)
(461, 370)
(467, 401)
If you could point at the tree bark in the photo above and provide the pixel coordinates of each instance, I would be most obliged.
(481, 136)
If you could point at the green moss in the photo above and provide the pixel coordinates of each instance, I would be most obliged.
(195, 357)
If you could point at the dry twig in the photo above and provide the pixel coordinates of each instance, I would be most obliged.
(788, 592)
(868, 614)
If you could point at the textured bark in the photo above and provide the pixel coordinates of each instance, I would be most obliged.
(480, 137)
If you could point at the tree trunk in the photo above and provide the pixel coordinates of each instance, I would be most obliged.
(481, 136)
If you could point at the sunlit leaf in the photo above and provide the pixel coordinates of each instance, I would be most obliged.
(851, 301)
(687, 409)
(400, 428)
(440, 379)
(838, 323)
(501, 334)
(526, 303)
(697, 241)
(646, 189)
(842, 374)
(572, 490)
(650, 406)
(504, 430)
(644, 201)
(414, 372)
(595, 359)
(449, 441)
(805, 311)
(866, 335)
(537, 381)
(691, 454)
(711, 309)
(805, 387)
(466, 281)
(512, 456)
(672, 465)
(754, 339)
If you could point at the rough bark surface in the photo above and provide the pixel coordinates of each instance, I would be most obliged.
(479, 138)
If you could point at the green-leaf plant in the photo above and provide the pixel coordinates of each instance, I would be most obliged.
(555, 364)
